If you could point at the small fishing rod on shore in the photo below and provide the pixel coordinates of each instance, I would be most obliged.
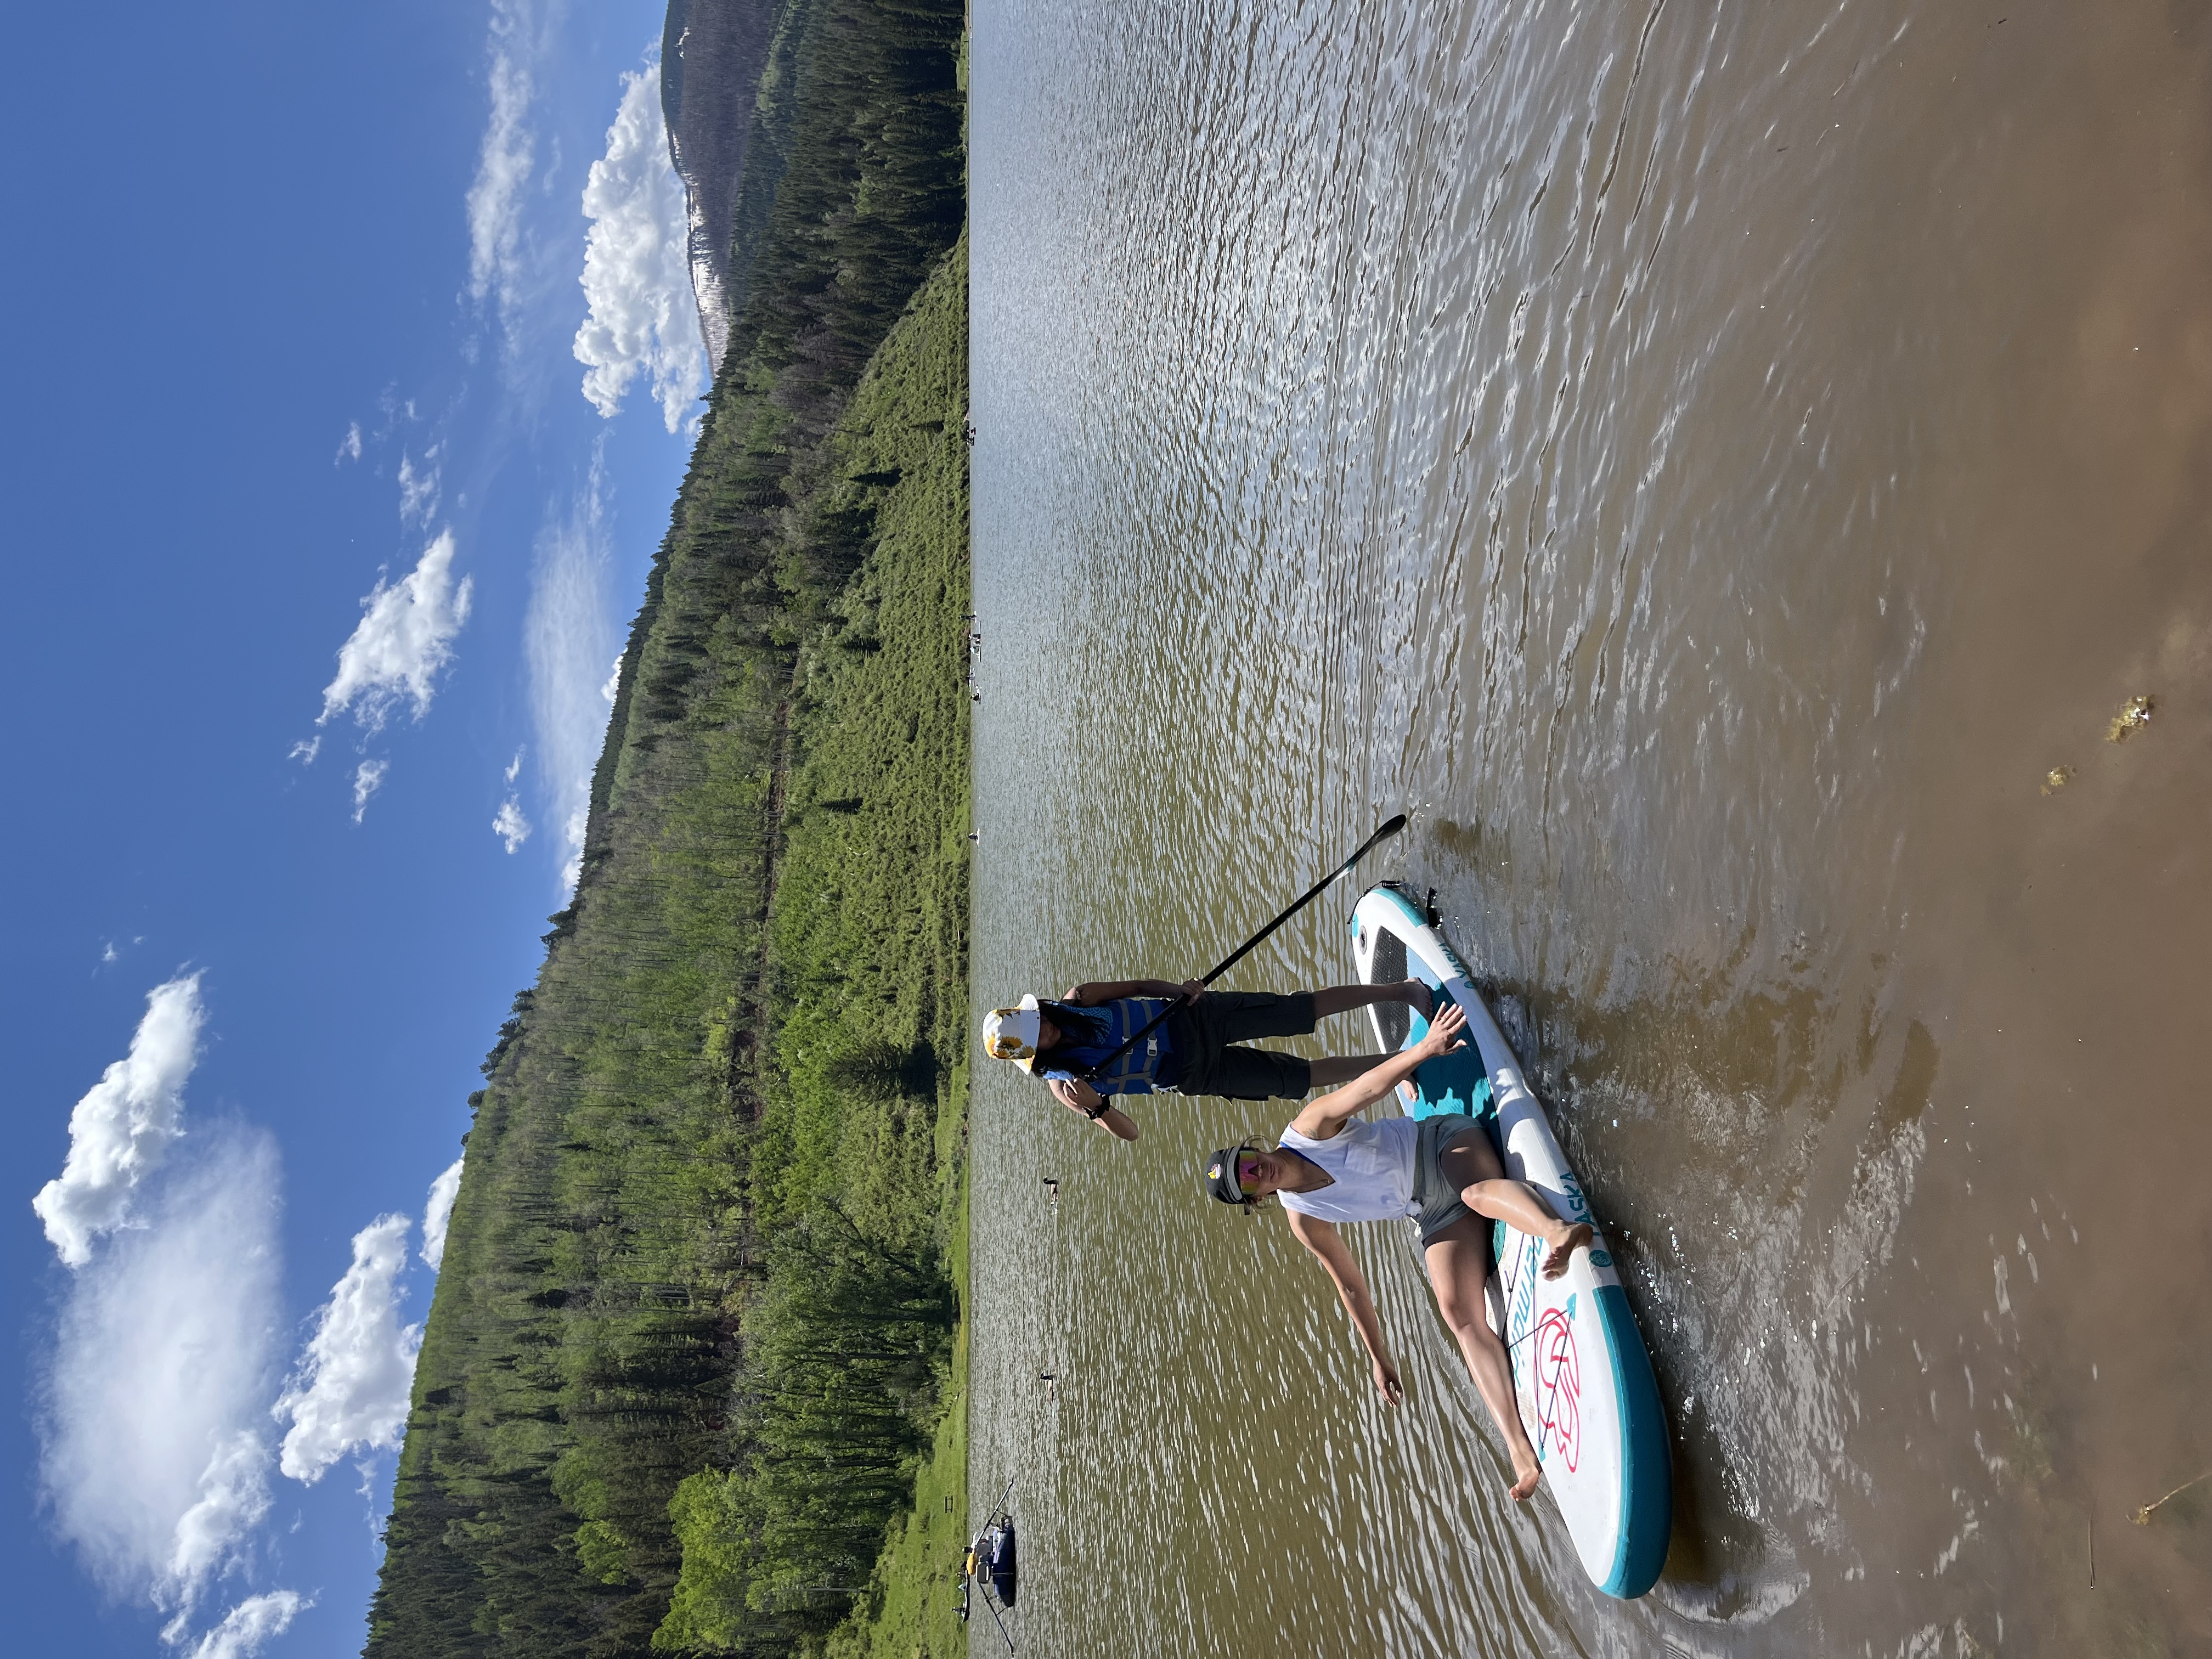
(1389, 828)
(994, 1511)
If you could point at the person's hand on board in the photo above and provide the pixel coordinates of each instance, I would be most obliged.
(1447, 1032)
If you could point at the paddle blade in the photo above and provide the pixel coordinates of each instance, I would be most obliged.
(1389, 827)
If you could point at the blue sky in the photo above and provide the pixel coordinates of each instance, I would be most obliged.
(323, 541)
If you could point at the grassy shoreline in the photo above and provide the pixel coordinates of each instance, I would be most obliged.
(910, 598)
(907, 1609)
(851, 1402)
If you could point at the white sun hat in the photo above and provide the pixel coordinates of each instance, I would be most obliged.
(1012, 1033)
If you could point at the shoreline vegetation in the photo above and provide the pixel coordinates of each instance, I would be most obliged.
(694, 1376)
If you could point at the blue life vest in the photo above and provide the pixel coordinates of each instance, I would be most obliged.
(1148, 1066)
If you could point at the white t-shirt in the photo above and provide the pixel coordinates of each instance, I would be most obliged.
(1373, 1167)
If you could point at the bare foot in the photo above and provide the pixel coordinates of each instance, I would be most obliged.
(1421, 998)
(1525, 1474)
(1564, 1248)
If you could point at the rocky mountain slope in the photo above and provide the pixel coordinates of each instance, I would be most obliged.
(720, 49)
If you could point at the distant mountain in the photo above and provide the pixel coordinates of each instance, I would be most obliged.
(719, 49)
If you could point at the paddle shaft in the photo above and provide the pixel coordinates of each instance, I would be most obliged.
(1389, 828)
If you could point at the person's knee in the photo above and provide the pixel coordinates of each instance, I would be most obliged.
(1473, 1332)
(1461, 1315)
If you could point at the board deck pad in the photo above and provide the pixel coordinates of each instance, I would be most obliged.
(1456, 1083)
(1450, 1083)
(1580, 1373)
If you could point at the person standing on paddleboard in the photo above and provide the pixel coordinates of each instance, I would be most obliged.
(1108, 1038)
(1441, 1172)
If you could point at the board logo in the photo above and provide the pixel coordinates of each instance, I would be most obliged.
(1523, 1280)
(1559, 1386)
(1578, 1207)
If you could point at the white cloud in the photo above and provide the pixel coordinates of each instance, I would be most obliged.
(151, 1460)
(305, 750)
(568, 632)
(612, 688)
(121, 1130)
(234, 1496)
(637, 267)
(367, 777)
(503, 166)
(350, 1387)
(438, 1210)
(252, 1622)
(515, 766)
(404, 637)
(418, 487)
(510, 826)
(349, 446)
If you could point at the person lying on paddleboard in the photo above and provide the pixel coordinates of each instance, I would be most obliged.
(1072, 1043)
(1440, 1171)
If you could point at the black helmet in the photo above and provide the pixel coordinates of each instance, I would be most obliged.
(1220, 1174)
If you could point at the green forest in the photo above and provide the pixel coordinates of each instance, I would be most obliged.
(693, 1336)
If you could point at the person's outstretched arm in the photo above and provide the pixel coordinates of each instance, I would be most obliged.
(1322, 1119)
(1328, 1247)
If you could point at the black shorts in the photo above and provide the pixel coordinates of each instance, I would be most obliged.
(1204, 1038)
(1439, 1199)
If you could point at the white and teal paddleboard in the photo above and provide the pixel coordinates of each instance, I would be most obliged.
(1588, 1397)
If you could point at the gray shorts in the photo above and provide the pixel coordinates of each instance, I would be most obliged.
(1438, 1199)
(1203, 1036)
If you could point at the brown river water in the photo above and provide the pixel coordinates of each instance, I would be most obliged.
(1716, 467)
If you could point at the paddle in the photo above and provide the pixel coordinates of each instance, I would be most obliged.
(1389, 828)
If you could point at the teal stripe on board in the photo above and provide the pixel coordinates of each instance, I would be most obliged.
(1647, 1498)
